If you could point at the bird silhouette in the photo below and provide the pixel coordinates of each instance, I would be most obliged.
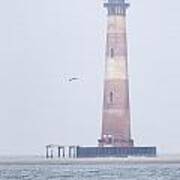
(73, 79)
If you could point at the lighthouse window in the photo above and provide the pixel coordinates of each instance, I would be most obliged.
(112, 52)
(111, 97)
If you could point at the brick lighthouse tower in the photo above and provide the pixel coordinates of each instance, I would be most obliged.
(116, 109)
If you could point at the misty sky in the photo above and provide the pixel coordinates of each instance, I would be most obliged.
(45, 42)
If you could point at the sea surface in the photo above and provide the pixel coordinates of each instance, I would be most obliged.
(113, 169)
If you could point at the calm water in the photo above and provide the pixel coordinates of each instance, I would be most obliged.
(89, 171)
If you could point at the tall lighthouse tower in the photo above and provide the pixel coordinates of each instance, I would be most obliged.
(116, 108)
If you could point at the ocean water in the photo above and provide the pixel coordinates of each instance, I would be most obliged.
(88, 170)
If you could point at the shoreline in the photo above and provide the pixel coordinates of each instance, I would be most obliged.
(38, 160)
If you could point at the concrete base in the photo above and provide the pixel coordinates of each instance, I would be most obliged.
(97, 152)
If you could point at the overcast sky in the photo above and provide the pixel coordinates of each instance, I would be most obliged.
(45, 42)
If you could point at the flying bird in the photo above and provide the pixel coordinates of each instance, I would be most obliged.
(73, 79)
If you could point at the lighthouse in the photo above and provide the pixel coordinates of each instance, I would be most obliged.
(116, 120)
(115, 138)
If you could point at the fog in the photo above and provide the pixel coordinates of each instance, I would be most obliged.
(43, 43)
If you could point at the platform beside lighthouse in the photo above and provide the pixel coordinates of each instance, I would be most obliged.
(66, 152)
(96, 152)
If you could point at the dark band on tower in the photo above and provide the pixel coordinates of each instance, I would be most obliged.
(116, 7)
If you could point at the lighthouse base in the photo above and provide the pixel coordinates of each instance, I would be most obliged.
(73, 151)
(97, 152)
